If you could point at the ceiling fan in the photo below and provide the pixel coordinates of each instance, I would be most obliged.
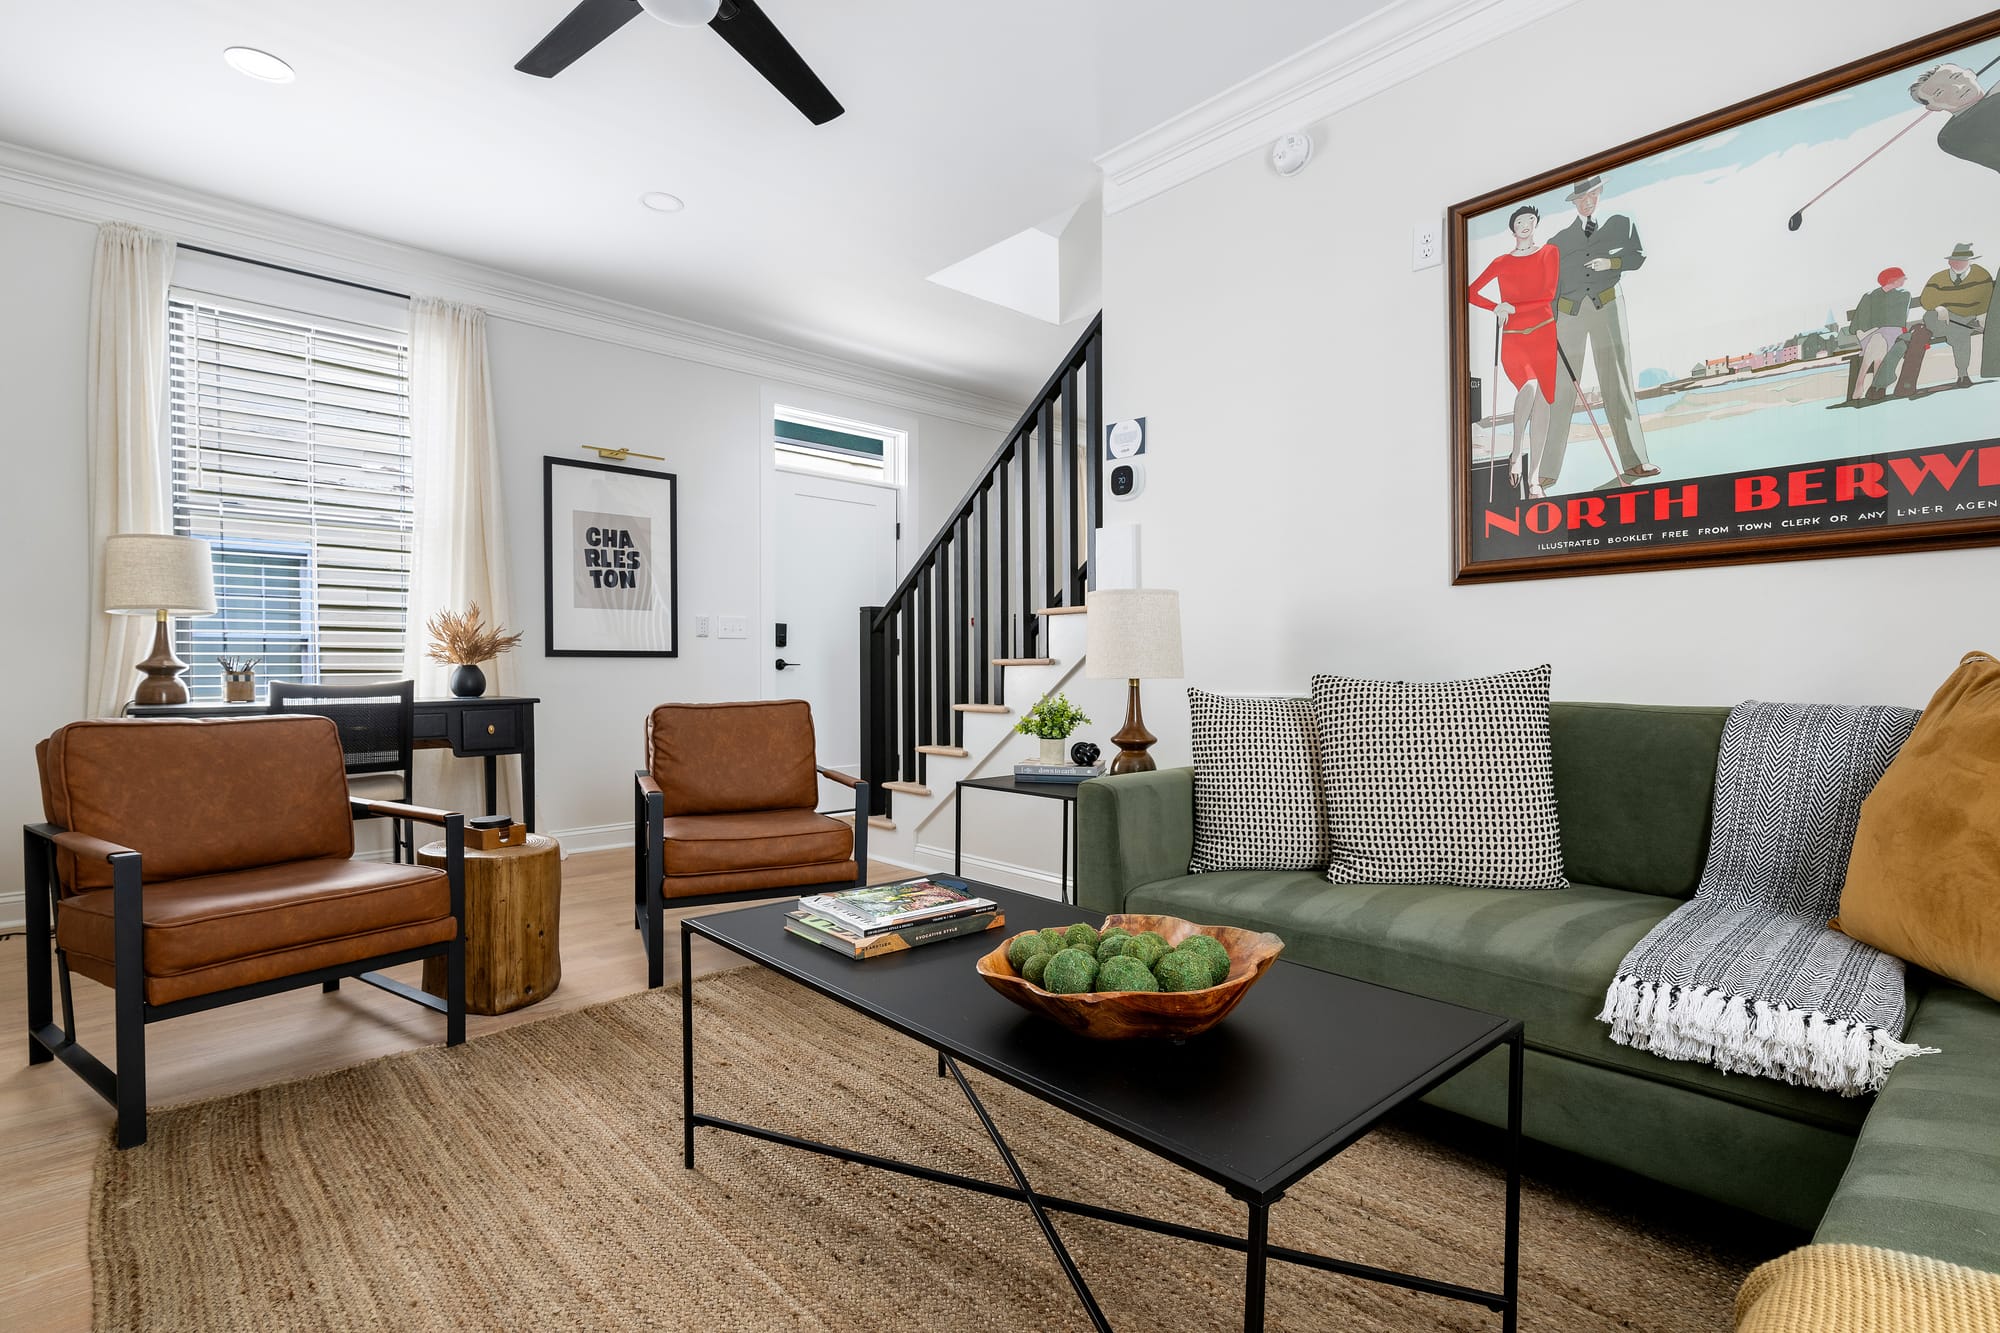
(739, 22)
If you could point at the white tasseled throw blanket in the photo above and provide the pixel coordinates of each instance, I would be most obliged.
(1747, 976)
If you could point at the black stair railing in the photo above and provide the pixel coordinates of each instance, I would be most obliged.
(1017, 542)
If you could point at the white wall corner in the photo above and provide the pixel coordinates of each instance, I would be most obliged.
(1367, 57)
(68, 188)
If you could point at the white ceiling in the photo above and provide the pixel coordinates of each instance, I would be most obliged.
(967, 121)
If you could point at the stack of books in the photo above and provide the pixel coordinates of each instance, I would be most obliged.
(1034, 772)
(888, 918)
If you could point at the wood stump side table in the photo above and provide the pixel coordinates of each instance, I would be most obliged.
(513, 908)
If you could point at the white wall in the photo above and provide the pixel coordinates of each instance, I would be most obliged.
(44, 318)
(554, 390)
(1293, 368)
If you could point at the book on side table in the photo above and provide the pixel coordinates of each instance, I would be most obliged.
(887, 918)
(1065, 773)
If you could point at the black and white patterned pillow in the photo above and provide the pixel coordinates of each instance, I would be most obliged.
(1448, 783)
(1256, 784)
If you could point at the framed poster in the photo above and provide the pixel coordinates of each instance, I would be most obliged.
(1761, 335)
(610, 585)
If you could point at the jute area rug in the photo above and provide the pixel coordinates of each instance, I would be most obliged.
(532, 1179)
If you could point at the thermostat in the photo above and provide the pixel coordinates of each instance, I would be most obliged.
(1126, 479)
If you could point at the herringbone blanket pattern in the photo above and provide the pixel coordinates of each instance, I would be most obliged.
(1747, 976)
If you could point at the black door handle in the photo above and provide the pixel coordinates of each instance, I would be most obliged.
(782, 664)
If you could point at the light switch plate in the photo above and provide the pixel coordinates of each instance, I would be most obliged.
(734, 627)
(701, 627)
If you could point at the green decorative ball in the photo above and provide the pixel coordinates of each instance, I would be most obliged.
(1154, 936)
(1082, 936)
(1071, 972)
(1023, 947)
(1054, 940)
(1036, 965)
(1147, 948)
(1180, 971)
(1210, 948)
(1125, 974)
(1112, 945)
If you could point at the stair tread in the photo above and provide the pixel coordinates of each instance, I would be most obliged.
(1061, 611)
(981, 708)
(908, 788)
(946, 751)
(1024, 661)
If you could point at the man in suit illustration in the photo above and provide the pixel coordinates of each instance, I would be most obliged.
(1596, 253)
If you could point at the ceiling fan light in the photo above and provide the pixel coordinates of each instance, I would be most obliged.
(682, 13)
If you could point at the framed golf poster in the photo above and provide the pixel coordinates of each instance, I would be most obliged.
(1761, 335)
(610, 579)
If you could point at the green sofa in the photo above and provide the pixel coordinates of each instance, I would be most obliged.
(1915, 1168)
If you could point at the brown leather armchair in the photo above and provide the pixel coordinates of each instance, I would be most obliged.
(725, 809)
(192, 864)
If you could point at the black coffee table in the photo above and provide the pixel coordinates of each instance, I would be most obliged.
(1308, 1063)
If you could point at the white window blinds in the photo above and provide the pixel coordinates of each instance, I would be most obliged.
(290, 441)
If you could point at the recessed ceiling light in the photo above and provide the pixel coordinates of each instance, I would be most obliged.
(258, 64)
(662, 202)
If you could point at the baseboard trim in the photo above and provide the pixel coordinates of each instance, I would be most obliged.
(13, 911)
(975, 865)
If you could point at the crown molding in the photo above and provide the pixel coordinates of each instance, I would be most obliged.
(1367, 57)
(89, 193)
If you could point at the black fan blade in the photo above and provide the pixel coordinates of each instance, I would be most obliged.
(587, 25)
(757, 40)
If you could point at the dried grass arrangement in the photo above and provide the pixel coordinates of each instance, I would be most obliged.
(459, 639)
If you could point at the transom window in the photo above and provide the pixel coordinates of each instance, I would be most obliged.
(807, 442)
(290, 452)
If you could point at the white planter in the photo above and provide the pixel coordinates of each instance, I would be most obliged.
(1054, 751)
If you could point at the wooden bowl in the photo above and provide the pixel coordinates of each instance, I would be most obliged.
(1112, 1015)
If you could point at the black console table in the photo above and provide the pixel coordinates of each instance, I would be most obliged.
(488, 728)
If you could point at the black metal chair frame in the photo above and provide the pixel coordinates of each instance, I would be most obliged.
(649, 870)
(125, 1088)
(339, 703)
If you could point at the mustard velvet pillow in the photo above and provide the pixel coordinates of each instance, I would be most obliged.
(1923, 882)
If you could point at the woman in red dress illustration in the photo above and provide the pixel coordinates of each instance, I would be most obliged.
(1527, 280)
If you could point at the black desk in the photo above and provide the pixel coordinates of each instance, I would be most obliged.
(1049, 791)
(1309, 1063)
(486, 728)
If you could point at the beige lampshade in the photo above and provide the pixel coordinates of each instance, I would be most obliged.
(147, 573)
(1134, 634)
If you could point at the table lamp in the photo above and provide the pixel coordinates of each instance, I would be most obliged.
(147, 574)
(1134, 634)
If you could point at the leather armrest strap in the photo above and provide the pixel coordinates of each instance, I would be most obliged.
(835, 775)
(82, 844)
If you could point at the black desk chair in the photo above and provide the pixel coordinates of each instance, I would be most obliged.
(377, 724)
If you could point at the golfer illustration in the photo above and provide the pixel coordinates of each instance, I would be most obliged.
(1596, 253)
(1973, 130)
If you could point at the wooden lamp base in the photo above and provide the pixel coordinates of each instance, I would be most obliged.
(162, 671)
(1133, 740)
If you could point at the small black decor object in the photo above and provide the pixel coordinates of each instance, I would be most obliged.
(468, 681)
(1083, 754)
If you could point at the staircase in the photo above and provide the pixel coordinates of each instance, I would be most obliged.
(988, 614)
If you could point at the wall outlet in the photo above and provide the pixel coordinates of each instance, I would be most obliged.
(734, 627)
(1427, 246)
(701, 627)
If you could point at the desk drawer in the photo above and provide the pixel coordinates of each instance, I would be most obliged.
(491, 731)
(430, 725)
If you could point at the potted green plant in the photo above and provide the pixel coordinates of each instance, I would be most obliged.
(1052, 719)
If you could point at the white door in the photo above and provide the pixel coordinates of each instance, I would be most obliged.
(833, 552)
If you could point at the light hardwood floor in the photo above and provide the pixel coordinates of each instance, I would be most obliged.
(51, 1124)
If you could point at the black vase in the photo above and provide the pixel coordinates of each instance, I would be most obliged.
(468, 681)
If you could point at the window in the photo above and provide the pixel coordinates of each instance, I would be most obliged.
(810, 443)
(290, 453)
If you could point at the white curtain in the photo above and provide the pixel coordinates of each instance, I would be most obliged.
(124, 425)
(459, 554)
